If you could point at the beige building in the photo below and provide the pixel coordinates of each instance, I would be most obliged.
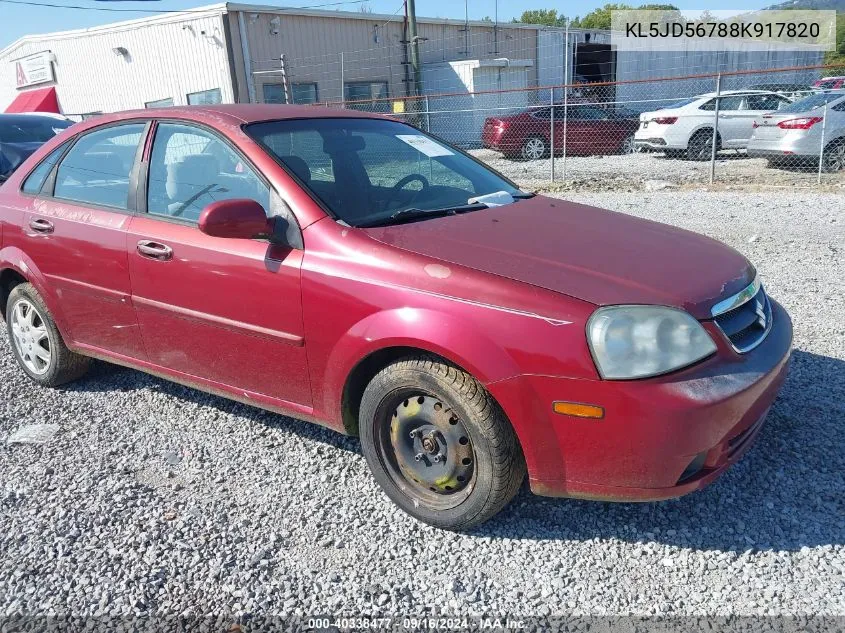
(233, 53)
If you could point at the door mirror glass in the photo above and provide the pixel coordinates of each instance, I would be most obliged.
(237, 218)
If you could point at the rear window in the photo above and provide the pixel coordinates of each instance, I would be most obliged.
(812, 102)
(680, 104)
(30, 130)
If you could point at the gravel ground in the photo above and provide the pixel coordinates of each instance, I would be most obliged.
(634, 171)
(157, 499)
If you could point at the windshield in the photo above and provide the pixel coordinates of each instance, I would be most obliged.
(811, 103)
(26, 129)
(369, 170)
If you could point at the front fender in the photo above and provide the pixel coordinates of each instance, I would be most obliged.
(15, 259)
(446, 335)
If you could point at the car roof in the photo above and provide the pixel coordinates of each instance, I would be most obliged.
(29, 116)
(724, 93)
(241, 112)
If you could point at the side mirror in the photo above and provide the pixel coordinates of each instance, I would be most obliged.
(238, 218)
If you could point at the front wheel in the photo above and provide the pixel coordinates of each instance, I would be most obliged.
(700, 146)
(438, 444)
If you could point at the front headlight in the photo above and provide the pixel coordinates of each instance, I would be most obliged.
(638, 341)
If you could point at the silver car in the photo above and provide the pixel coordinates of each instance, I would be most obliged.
(794, 133)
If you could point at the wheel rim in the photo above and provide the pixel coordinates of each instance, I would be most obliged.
(703, 148)
(426, 449)
(30, 338)
(534, 148)
(835, 158)
(628, 146)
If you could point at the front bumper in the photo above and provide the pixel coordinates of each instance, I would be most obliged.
(654, 429)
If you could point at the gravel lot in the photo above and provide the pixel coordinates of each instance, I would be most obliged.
(634, 171)
(157, 499)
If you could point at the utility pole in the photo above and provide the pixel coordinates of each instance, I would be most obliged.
(415, 50)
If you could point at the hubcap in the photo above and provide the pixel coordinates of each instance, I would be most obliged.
(427, 450)
(835, 158)
(29, 336)
(534, 148)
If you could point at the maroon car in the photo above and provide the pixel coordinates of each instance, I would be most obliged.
(350, 270)
(588, 130)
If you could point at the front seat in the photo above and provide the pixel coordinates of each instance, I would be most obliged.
(190, 184)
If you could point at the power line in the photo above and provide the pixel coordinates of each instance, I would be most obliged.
(32, 3)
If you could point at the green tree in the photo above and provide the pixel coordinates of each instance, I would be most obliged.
(600, 18)
(549, 17)
(837, 57)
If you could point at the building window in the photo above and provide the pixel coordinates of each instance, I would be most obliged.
(205, 97)
(301, 93)
(366, 91)
(159, 103)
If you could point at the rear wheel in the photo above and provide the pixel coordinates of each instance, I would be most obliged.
(833, 159)
(628, 146)
(534, 148)
(438, 444)
(700, 146)
(36, 342)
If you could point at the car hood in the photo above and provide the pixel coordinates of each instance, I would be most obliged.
(593, 254)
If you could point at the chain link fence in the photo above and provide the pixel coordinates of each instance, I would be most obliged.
(752, 128)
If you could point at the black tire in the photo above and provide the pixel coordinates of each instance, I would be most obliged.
(700, 146)
(497, 465)
(63, 365)
(535, 147)
(833, 159)
(628, 146)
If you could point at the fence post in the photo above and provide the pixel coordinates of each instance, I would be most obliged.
(715, 128)
(427, 115)
(342, 83)
(552, 134)
(821, 146)
(567, 61)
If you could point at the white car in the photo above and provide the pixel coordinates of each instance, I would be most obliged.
(686, 127)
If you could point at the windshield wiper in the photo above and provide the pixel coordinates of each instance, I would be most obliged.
(523, 195)
(409, 215)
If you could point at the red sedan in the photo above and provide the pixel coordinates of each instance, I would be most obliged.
(350, 270)
(588, 130)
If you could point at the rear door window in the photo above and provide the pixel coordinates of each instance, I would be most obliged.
(96, 169)
(35, 181)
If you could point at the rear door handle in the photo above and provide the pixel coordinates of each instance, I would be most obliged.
(155, 250)
(40, 225)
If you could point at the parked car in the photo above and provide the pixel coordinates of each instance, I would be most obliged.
(22, 134)
(830, 83)
(686, 127)
(794, 133)
(350, 270)
(793, 92)
(589, 129)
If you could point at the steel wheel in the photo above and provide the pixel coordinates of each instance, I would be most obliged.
(834, 157)
(534, 148)
(29, 335)
(426, 450)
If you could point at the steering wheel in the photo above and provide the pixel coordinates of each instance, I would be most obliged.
(409, 179)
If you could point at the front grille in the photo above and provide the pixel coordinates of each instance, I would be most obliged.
(747, 324)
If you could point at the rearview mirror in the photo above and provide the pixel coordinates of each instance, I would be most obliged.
(238, 218)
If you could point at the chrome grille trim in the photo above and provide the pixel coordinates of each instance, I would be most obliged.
(742, 340)
(741, 297)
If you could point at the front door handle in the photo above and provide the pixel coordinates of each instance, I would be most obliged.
(40, 225)
(155, 250)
